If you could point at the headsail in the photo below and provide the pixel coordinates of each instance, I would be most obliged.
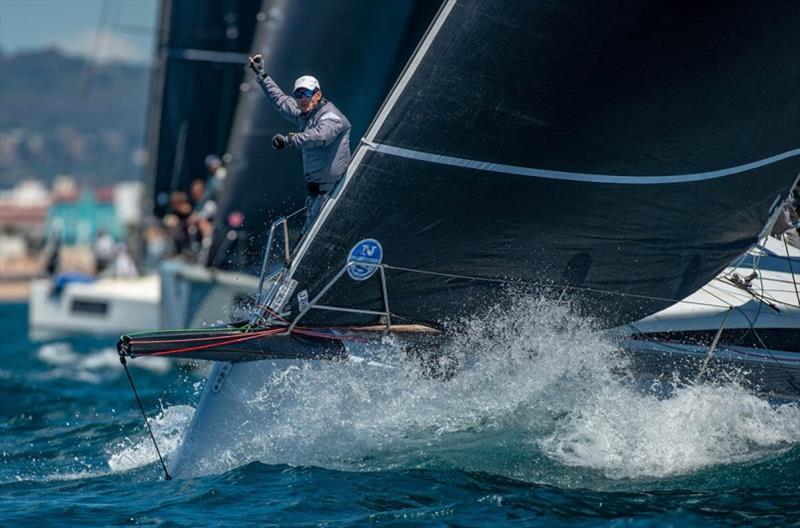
(627, 151)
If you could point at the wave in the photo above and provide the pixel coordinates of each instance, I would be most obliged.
(94, 366)
(168, 428)
(542, 395)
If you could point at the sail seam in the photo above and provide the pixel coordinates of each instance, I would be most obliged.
(576, 176)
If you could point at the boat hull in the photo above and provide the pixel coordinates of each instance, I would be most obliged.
(103, 307)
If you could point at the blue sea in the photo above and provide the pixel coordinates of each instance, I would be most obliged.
(558, 439)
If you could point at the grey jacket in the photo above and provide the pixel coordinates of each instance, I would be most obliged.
(324, 136)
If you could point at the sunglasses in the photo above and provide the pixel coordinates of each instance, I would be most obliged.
(303, 92)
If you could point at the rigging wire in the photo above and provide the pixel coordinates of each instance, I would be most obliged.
(791, 269)
(144, 415)
(99, 38)
(760, 298)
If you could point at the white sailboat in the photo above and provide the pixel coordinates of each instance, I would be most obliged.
(107, 306)
(743, 324)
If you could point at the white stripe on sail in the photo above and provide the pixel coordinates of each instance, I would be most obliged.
(577, 176)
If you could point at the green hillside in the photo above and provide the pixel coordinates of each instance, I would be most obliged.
(48, 127)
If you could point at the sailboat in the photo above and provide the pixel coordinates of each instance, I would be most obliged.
(744, 325)
(194, 93)
(357, 53)
(583, 152)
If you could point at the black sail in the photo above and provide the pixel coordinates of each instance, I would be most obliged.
(194, 89)
(629, 150)
(356, 52)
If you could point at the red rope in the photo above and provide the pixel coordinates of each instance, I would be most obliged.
(187, 340)
(272, 312)
(230, 339)
(246, 337)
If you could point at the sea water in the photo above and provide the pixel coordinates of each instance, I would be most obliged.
(543, 426)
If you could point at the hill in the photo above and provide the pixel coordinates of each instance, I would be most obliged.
(47, 126)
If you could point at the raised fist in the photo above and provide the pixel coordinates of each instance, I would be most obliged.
(257, 65)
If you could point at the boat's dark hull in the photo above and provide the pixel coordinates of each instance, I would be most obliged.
(785, 339)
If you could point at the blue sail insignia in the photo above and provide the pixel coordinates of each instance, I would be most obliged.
(368, 251)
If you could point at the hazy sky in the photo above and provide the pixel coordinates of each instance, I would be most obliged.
(72, 25)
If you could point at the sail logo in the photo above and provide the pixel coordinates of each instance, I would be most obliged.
(364, 259)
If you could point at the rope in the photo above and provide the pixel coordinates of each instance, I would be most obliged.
(144, 415)
(713, 347)
(246, 337)
(271, 312)
(791, 269)
(565, 286)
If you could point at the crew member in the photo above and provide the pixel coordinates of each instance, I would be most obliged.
(324, 135)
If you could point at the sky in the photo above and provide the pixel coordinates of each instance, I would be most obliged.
(123, 29)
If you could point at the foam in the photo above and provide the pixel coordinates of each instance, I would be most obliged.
(625, 434)
(95, 366)
(543, 396)
(168, 428)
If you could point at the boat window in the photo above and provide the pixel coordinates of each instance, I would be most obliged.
(89, 307)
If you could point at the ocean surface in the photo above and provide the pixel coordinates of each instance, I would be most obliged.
(553, 434)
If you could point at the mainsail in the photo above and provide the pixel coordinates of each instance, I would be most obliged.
(197, 70)
(619, 153)
(356, 52)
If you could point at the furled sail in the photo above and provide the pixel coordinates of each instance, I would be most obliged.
(619, 153)
(355, 52)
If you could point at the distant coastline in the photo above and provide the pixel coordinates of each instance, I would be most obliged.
(58, 115)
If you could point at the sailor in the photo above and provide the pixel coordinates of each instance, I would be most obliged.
(787, 225)
(324, 135)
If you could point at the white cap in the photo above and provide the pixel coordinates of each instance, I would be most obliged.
(309, 82)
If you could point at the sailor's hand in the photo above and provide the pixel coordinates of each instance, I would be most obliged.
(257, 65)
(279, 141)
